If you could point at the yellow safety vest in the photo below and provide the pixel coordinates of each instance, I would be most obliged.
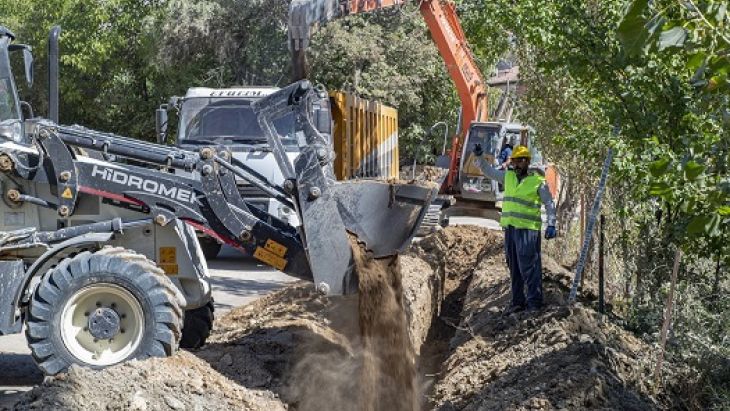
(521, 203)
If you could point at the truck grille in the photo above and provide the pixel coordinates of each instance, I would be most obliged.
(250, 191)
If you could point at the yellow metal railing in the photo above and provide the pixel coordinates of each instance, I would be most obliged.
(365, 137)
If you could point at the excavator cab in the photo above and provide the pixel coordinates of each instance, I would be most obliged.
(493, 136)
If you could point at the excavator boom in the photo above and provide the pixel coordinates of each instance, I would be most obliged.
(447, 34)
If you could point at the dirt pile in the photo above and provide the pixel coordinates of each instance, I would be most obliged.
(561, 358)
(295, 349)
(292, 348)
(183, 382)
(423, 173)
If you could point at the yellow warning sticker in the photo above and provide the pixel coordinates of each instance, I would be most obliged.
(269, 258)
(170, 269)
(168, 255)
(275, 247)
(67, 193)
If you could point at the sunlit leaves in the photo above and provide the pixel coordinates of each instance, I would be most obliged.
(674, 37)
(692, 170)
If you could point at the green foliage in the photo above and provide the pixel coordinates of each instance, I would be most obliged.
(658, 72)
(387, 56)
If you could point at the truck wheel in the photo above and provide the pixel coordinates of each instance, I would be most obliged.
(197, 326)
(103, 308)
(210, 247)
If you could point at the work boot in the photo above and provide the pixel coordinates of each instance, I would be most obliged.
(513, 309)
(534, 309)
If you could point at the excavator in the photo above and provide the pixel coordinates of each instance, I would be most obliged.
(99, 260)
(446, 31)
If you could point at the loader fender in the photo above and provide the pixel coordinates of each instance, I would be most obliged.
(85, 240)
(12, 276)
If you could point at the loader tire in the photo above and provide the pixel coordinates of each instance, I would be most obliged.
(210, 247)
(197, 326)
(100, 309)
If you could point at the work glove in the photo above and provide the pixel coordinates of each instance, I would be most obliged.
(478, 150)
(551, 232)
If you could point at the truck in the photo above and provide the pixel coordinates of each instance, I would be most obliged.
(99, 260)
(364, 134)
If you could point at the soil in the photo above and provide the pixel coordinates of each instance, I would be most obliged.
(441, 341)
(183, 382)
(388, 370)
(564, 357)
(423, 173)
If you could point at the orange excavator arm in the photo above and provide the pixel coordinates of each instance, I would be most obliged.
(446, 32)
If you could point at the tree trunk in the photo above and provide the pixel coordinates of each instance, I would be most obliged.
(716, 283)
(667, 319)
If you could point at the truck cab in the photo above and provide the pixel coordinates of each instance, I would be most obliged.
(224, 116)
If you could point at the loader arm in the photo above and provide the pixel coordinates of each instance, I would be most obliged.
(200, 188)
(447, 34)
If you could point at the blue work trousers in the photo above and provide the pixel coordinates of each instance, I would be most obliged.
(522, 247)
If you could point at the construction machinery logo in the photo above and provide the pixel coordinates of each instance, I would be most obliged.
(150, 186)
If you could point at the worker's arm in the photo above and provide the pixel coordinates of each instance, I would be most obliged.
(489, 170)
(547, 200)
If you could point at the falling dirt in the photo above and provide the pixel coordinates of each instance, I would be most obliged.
(388, 371)
(433, 337)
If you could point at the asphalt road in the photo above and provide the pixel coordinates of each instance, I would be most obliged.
(236, 280)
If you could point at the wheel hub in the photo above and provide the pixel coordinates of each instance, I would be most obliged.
(104, 323)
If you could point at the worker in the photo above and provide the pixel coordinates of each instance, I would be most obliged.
(521, 221)
(505, 153)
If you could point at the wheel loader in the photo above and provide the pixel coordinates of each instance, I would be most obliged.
(99, 259)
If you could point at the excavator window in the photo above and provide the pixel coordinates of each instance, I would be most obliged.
(488, 137)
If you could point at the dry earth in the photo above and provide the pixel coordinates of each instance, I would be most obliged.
(295, 349)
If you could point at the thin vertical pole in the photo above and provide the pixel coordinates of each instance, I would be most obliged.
(601, 301)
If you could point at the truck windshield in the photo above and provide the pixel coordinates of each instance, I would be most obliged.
(228, 119)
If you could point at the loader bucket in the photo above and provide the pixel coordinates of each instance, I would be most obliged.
(383, 215)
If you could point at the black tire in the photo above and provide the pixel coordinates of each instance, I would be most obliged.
(210, 247)
(150, 294)
(197, 326)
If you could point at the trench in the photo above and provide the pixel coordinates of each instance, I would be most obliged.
(437, 348)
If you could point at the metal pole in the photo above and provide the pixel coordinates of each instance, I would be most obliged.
(53, 73)
(601, 303)
(589, 227)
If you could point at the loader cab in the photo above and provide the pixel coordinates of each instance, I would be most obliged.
(11, 115)
(492, 136)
